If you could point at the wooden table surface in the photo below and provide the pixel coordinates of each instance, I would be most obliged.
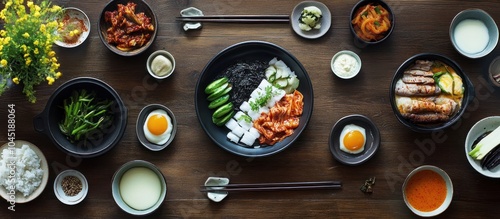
(421, 26)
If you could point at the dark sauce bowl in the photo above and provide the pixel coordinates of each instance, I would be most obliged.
(467, 97)
(103, 26)
(361, 43)
(250, 50)
(47, 122)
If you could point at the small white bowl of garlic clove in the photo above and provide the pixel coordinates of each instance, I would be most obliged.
(160, 64)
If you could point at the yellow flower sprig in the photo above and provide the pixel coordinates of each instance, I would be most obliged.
(26, 44)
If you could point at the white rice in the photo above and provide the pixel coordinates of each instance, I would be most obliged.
(28, 172)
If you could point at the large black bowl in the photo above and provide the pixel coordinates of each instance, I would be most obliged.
(468, 93)
(250, 50)
(141, 6)
(47, 122)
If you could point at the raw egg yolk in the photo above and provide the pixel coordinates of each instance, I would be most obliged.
(354, 140)
(157, 124)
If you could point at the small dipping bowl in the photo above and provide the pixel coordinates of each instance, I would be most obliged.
(480, 15)
(164, 60)
(346, 64)
(83, 19)
(141, 120)
(66, 198)
(362, 43)
(117, 195)
(494, 71)
(419, 181)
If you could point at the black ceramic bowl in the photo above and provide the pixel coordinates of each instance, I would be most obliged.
(47, 122)
(141, 120)
(361, 42)
(372, 139)
(250, 50)
(467, 97)
(141, 6)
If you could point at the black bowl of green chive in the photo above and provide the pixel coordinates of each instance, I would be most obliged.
(84, 117)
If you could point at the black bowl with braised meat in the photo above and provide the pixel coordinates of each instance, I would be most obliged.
(84, 117)
(127, 27)
(430, 92)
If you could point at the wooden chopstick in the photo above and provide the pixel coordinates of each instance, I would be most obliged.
(272, 186)
(236, 18)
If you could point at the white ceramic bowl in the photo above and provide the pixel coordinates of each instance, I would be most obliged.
(482, 126)
(167, 55)
(340, 72)
(19, 197)
(115, 187)
(449, 191)
(481, 15)
(59, 192)
(76, 13)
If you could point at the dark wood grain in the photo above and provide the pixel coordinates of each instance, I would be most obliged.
(421, 26)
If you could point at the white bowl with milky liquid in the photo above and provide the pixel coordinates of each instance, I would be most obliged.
(133, 180)
(474, 33)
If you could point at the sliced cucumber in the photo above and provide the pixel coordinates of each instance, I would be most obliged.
(219, 101)
(223, 110)
(293, 82)
(223, 120)
(215, 84)
(219, 92)
(270, 72)
(279, 73)
(281, 82)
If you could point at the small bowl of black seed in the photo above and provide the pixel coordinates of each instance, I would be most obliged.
(70, 187)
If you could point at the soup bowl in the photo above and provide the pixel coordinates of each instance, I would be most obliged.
(435, 180)
(468, 93)
(473, 14)
(118, 194)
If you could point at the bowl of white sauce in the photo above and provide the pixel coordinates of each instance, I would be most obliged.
(139, 187)
(160, 64)
(346, 64)
(473, 33)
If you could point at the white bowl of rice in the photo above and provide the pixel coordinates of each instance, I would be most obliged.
(23, 167)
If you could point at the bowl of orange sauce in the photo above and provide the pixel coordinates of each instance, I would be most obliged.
(427, 191)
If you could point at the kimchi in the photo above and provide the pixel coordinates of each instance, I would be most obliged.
(128, 30)
(283, 118)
